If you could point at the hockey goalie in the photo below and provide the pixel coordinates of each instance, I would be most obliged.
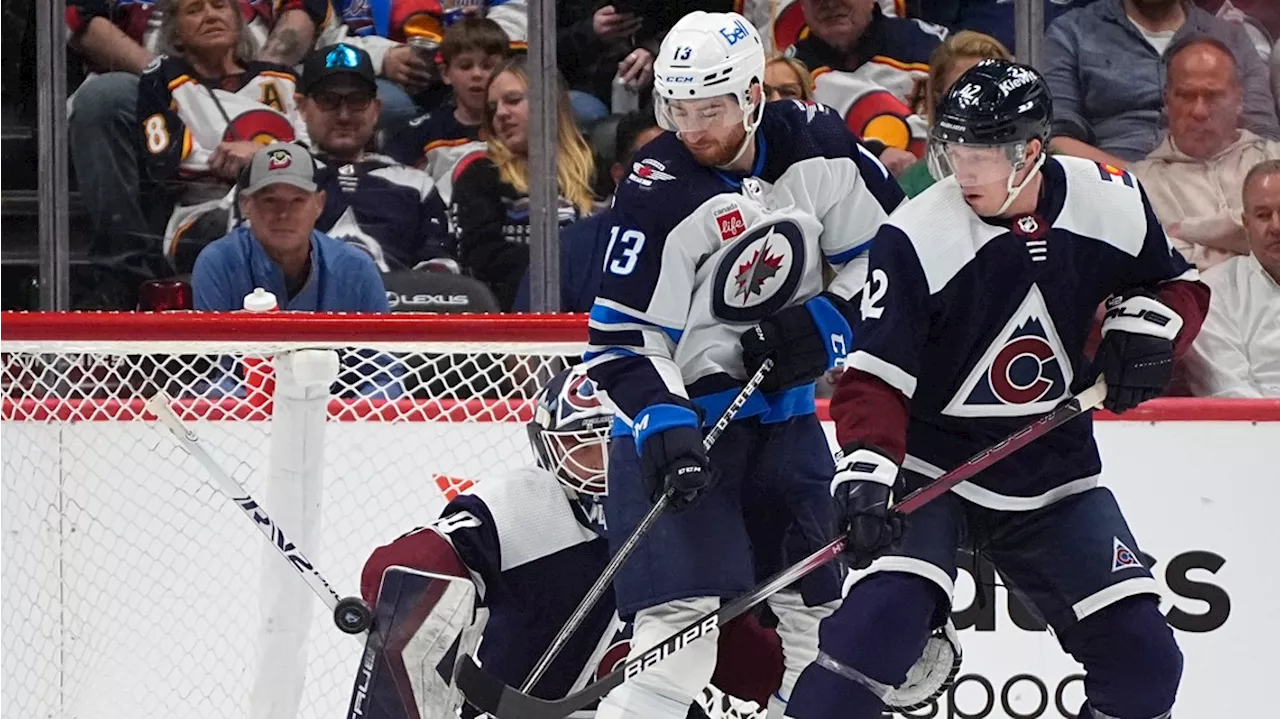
(502, 569)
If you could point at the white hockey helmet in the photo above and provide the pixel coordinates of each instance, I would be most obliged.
(570, 419)
(707, 55)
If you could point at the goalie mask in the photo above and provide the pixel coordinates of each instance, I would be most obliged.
(570, 432)
(984, 124)
(705, 73)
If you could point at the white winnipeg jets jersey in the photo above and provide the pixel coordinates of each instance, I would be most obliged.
(698, 255)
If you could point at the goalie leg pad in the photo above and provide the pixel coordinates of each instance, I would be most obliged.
(866, 647)
(422, 623)
(668, 689)
(1132, 662)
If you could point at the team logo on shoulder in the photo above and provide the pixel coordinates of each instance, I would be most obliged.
(729, 221)
(649, 170)
(759, 273)
(1122, 557)
(1025, 370)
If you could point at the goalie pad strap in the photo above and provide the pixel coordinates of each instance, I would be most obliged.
(826, 661)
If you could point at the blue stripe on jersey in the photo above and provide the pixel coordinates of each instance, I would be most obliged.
(849, 254)
(659, 417)
(610, 316)
(614, 351)
(770, 408)
(832, 327)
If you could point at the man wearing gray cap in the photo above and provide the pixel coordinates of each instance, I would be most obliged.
(280, 250)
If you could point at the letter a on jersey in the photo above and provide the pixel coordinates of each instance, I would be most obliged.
(1024, 371)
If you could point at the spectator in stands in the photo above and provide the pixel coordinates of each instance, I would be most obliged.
(1194, 177)
(1259, 18)
(955, 56)
(870, 68)
(117, 40)
(205, 108)
(989, 17)
(1103, 64)
(473, 49)
(490, 203)
(786, 78)
(1237, 353)
(583, 243)
(1275, 74)
(281, 251)
(371, 201)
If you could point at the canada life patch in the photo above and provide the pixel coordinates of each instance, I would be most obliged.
(1122, 557)
(1024, 371)
(730, 223)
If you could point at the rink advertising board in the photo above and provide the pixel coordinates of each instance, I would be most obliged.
(1198, 483)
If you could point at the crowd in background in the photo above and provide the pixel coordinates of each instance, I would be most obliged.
(379, 148)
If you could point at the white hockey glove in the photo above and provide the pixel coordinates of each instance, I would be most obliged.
(932, 674)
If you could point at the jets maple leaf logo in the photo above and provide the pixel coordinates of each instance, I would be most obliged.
(753, 273)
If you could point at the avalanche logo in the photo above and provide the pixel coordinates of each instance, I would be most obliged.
(1122, 557)
(581, 394)
(1025, 371)
(758, 273)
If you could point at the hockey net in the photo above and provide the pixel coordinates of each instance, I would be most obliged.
(133, 588)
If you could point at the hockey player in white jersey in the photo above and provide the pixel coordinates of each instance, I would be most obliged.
(981, 294)
(530, 542)
(722, 231)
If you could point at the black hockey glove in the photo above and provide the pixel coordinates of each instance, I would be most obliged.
(672, 460)
(803, 340)
(1136, 353)
(862, 485)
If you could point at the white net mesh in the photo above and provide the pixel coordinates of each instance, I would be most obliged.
(133, 588)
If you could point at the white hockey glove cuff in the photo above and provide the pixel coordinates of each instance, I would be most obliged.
(1141, 314)
(864, 465)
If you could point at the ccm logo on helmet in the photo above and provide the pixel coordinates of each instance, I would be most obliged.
(678, 79)
(735, 33)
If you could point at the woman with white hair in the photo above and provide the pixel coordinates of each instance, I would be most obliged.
(205, 108)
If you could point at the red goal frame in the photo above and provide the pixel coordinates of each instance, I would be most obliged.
(109, 327)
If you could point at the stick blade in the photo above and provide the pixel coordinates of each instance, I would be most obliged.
(490, 694)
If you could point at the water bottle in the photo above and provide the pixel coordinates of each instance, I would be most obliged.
(259, 375)
(625, 97)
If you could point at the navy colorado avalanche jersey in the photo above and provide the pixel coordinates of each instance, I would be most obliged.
(697, 256)
(981, 323)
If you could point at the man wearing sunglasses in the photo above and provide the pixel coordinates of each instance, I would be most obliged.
(389, 210)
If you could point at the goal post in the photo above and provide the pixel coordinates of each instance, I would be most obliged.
(133, 587)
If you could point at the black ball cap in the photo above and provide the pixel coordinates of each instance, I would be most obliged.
(334, 60)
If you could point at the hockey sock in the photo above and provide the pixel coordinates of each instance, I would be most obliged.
(1132, 663)
(868, 644)
(666, 690)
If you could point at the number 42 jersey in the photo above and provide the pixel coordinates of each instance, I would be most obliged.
(698, 255)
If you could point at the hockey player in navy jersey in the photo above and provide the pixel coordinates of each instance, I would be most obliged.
(531, 543)
(721, 233)
(979, 298)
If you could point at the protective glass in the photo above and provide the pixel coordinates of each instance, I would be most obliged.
(576, 460)
(975, 165)
(698, 115)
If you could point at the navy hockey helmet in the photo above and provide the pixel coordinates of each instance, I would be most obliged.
(983, 124)
(994, 103)
(570, 420)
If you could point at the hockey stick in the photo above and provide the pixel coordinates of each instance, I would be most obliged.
(488, 693)
(351, 614)
(628, 547)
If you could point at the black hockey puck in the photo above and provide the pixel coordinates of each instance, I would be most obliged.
(352, 615)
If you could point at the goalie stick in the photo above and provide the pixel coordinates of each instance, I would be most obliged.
(351, 614)
(646, 523)
(489, 694)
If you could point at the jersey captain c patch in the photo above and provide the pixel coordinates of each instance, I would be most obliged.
(1024, 371)
(758, 274)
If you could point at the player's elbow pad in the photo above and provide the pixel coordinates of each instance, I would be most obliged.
(1141, 314)
(423, 549)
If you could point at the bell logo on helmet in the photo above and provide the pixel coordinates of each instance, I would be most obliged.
(735, 34)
